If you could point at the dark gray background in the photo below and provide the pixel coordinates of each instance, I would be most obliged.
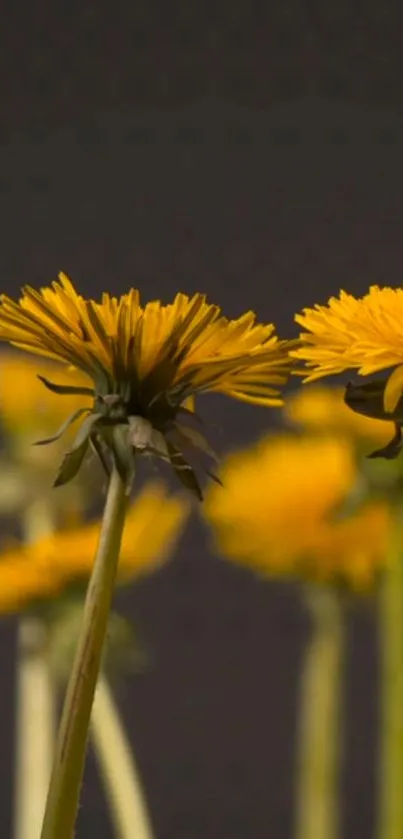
(258, 159)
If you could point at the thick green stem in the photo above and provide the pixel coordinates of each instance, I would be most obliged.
(68, 767)
(319, 720)
(118, 769)
(390, 824)
(35, 711)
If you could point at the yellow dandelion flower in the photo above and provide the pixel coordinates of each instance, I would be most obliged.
(278, 512)
(321, 409)
(144, 362)
(365, 334)
(45, 569)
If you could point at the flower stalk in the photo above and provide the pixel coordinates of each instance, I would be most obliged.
(319, 720)
(118, 770)
(68, 767)
(390, 823)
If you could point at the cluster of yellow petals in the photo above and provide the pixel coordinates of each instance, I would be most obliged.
(281, 512)
(364, 333)
(207, 350)
(30, 573)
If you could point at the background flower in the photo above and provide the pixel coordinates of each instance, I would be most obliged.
(26, 406)
(30, 574)
(364, 333)
(281, 511)
(28, 413)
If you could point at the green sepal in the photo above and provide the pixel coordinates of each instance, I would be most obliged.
(73, 459)
(367, 399)
(184, 471)
(96, 445)
(123, 455)
(196, 440)
(66, 390)
(214, 477)
(393, 448)
(71, 464)
(191, 414)
(65, 425)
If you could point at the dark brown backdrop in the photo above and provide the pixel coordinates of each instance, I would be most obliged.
(257, 158)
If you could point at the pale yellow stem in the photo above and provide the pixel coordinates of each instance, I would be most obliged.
(118, 770)
(390, 824)
(317, 806)
(35, 711)
(35, 729)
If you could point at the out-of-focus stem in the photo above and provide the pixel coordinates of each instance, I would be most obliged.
(35, 729)
(118, 770)
(317, 805)
(390, 824)
(35, 712)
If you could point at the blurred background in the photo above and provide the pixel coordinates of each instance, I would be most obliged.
(255, 156)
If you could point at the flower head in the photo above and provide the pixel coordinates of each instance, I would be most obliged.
(143, 363)
(33, 573)
(364, 334)
(280, 512)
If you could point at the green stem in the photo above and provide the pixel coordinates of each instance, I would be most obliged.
(118, 769)
(390, 825)
(68, 767)
(319, 721)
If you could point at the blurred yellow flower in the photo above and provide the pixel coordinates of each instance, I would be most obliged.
(32, 573)
(355, 549)
(280, 512)
(348, 333)
(26, 406)
(322, 410)
(23, 581)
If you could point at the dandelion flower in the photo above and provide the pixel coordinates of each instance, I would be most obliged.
(143, 363)
(364, 334)
(45, 569)
(279, 512)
